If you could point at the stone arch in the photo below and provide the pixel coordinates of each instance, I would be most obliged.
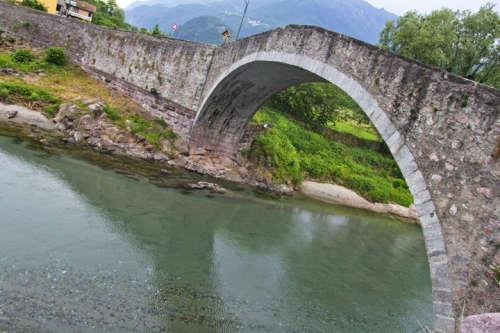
(241, 89)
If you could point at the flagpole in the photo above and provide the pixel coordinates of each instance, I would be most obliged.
(247, 2)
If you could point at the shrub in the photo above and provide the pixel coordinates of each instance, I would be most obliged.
(23, 56)
(55, 56)
(280, 155)
(112, 113)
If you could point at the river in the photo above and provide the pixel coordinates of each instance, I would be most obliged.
(85, 248)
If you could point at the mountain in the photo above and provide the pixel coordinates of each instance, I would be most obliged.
(356, 18)
(166, 3)
(205, 29)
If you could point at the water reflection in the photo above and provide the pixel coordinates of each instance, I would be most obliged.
(213, 264)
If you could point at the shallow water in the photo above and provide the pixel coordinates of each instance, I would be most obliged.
(82, 248)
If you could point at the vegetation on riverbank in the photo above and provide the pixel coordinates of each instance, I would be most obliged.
(152, 130)
(43, 80)
(288, 151)
(30, 96)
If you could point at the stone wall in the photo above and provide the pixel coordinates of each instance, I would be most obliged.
(175, 69)
(178, 117)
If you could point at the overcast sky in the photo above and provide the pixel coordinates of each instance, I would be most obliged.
(425, 6)
(401, 6)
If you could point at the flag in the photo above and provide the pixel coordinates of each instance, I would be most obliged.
(174, 27)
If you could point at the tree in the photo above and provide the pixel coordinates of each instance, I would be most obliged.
(109, 14)
(156, 31)
(316, 104)
(460, 42)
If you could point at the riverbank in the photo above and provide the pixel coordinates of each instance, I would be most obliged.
(33, 124)
(339, 195)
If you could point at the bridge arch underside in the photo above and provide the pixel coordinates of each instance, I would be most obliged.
(242, 89)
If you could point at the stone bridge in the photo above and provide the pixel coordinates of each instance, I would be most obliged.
(443, 130)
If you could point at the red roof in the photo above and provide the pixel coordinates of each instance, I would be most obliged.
(85, 6)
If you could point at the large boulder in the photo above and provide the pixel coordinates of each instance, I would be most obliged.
(483, 323)
(67, 112)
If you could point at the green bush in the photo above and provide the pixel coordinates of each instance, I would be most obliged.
(21, 60)
(55, 56)
(23, 56)
(280, 155)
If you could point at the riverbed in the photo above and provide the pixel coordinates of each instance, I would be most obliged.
(86, 248)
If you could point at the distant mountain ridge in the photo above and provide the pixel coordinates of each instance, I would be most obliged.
(356, 18)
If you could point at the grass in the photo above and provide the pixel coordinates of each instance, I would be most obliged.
(348, 121)
(292, 153)
(7, 60)
(361, 131)
(152, 130)
(30, 96)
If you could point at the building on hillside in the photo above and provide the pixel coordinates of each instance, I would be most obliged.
(75, 8)
(50, 5)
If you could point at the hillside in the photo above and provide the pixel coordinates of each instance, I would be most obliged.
(356, 18)
(206, 29)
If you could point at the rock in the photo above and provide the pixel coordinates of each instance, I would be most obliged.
(78, 136)
(93, 141)
(21, 115)
(160, 157)
(11, 114)
(285, 189)
(86, 122)
(496, 259)
(336, 194)
(121, 138)
(179, 162)
(139, 138)
(453, 210)
(182, 146)
(67, 112)
(197, 151)
(166, 146)
(96, 109)
(60, 126)
(69, 140)
(164, 171)
(214, 188)
(483, 323)
(106, 145)
(485, 191)
(436, 178)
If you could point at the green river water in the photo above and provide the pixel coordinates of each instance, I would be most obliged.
(85, 249)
